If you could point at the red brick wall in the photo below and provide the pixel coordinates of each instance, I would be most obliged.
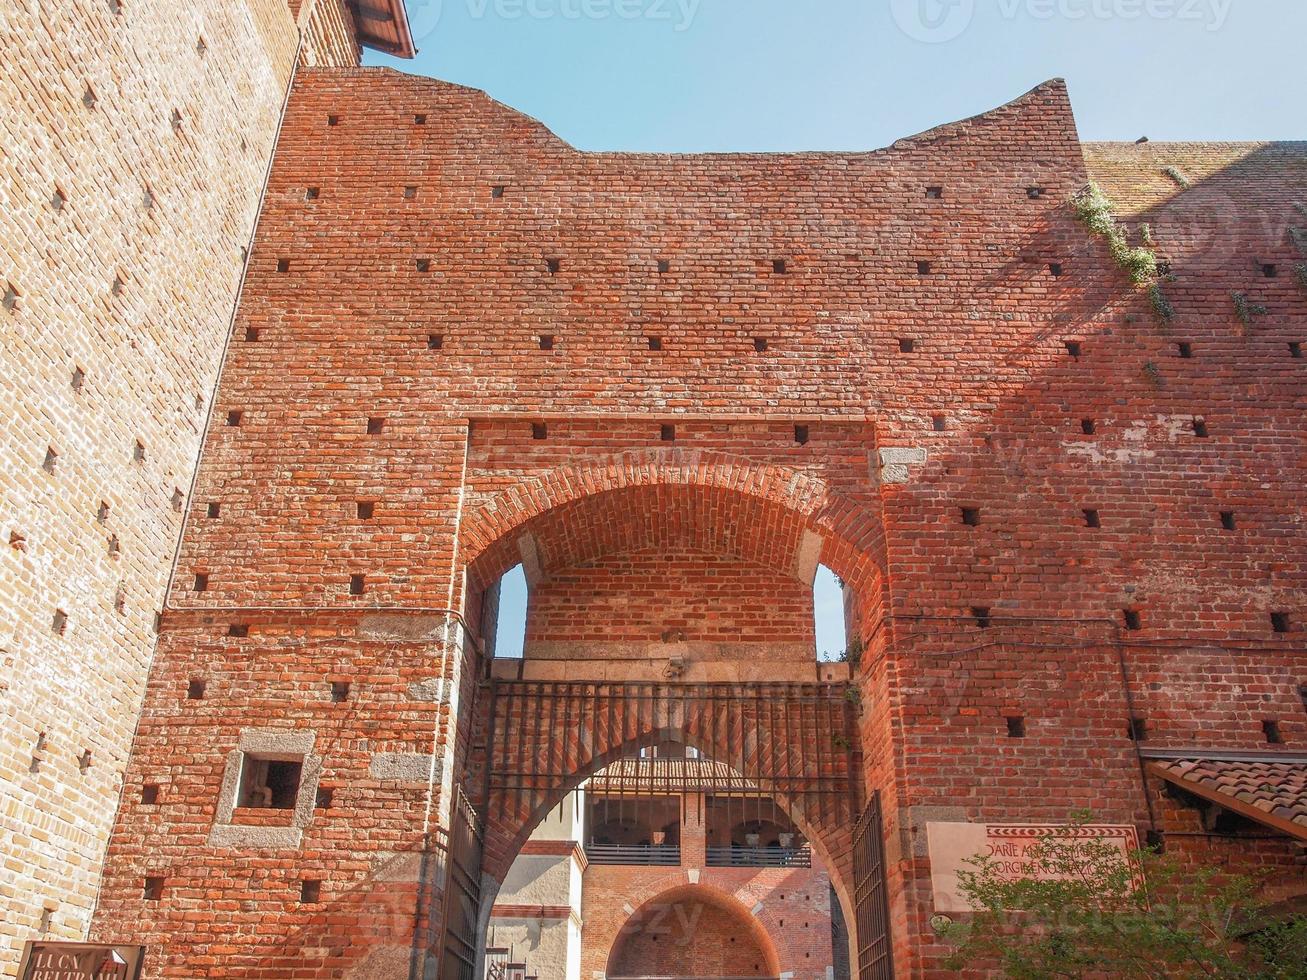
(718, 606)
(984, 410)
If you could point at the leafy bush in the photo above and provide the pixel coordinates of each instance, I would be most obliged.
(1088, 911)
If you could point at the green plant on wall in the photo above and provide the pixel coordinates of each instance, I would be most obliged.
(1153, 373)
(1083, 909)
(1300, 273)
(1162, 307)
(1180, 179)
(1095, 212)
(852, 654)
(1245, 309)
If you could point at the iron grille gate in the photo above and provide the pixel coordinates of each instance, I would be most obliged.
(463, 883)
(871, 904)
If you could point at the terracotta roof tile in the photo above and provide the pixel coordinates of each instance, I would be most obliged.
(1274, 793)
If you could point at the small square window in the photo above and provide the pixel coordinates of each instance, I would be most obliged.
(907, 345)
(420, 119)
(150, 794)
(1034, 193)
(497, 191)
(312, 193)
(1132, 618)
(923, 267)
(269, 784)
(152, 891)
(760, 344)
(1016, 726)
(310, 892)
(324, 798)
(339, 691)
(356, 585)
(1280, 622)
(195, 690)
(971, 516)
(213, 509)
(546, 342)
(376, 424)
(366, 509)
(780, 266)
(435, 341)
(655, 343)
(935, 193)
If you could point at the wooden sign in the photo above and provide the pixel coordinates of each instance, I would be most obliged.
(953, 845)
(80, 961)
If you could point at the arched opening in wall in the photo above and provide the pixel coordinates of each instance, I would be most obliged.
(680, 582)
(678, 609)
(504, 607)
(692, 931)
(829, 615)
(629, 836)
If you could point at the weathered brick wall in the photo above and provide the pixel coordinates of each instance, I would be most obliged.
(727, 922)
(493, 301)
(718, 608)
(329, 35)
(137, 137)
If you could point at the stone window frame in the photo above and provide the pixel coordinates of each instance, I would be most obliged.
(278, 744)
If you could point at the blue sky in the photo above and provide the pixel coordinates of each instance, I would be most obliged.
(725, 75)
(778, 75)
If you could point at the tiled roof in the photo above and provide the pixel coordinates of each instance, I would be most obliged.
(668, 776)
(1272, 793)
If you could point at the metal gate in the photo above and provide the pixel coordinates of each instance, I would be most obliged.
(459, 897)
(871, 902)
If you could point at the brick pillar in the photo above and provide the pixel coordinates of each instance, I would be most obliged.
(694, 832)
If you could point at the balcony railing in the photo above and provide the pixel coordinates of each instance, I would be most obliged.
(648, 855)
(759, 857)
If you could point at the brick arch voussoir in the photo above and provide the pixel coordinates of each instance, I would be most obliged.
(764, 927)
(849, 528)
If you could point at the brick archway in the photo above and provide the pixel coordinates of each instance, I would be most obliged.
(580, 502)
(718, 936)
(794, 742)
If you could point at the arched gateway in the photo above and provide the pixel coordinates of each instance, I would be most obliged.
(541, 726)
